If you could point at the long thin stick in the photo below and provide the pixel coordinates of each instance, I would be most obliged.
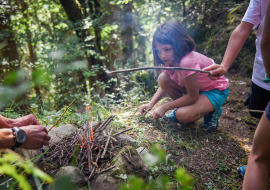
(165, 68)
(254, 111)
(62, 114)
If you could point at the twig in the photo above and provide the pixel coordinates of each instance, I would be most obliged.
(164, 68)
(76, 124)
(88, 148)
(94, 169)
(62, 114)
(107, 143)
(106, 170)
(157, 121)
(128, 159)
(142, 150)
(255, 111)
(122, 132)
(106, 123)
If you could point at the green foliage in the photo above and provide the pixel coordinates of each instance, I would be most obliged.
(10, 163)
(123, 2)
(164, 182)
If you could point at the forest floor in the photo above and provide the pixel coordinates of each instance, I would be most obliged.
(212, 158)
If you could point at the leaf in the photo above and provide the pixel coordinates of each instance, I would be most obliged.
(167, 158)
(11, 170)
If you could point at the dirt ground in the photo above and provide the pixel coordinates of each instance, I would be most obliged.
(210, 157)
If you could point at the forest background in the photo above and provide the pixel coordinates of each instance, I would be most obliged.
(52, 52)
(55, 51)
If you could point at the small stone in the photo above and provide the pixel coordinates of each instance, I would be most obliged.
(242, 83)
(238, 119)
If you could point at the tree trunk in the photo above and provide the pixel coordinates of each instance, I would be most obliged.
(127, 32)
(75, 13)
(8, 50)
(29, 43)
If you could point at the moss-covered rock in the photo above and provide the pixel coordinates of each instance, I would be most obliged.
(133, 165)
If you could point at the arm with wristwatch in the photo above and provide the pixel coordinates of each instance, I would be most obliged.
(25, 132)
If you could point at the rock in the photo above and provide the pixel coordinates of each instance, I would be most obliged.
(58, 133)
(29, 154)
(142, 151)
(105, 182)
(125, 140)
(77, 178)
(111, 181)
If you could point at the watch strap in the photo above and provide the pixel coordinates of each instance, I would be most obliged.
(17, 144)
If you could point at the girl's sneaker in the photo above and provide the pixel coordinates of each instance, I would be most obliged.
(242, 170)
(211, 120)
(170, 116)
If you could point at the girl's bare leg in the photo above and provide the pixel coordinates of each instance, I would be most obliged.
(168, 86)
(191, 113)
(186, 114)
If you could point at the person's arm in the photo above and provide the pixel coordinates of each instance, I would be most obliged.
(4, 122)
(157, 96)
(37, 135)
(265, 42)
(18, 122)
(6, 138)
(236, 41)
(191, 97)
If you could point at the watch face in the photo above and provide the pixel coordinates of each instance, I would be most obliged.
(21, 136)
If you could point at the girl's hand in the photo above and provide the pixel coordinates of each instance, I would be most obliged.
(146, 107)
(159, 112)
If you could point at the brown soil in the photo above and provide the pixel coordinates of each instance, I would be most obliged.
(210, 157)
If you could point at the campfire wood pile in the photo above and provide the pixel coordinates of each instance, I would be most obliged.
(90, 148)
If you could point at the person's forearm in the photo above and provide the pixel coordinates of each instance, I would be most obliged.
(6, 138)
(265, 42)
(158, 96)
(237, 39)
(180, 102)
(4, 122)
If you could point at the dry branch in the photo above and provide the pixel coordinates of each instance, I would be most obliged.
(254, 111)
(164, 68)
(106, 170)
(107, 143)
(62, 114)
(123, 154)
(122, 132)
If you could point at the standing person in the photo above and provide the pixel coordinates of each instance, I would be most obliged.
(258, 169)
(24, 132)
(260, 91)
(173, 47)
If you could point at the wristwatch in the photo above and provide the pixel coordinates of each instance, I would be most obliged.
(19, 137)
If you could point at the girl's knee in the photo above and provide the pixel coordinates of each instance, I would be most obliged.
(184, 116)
(163, 79)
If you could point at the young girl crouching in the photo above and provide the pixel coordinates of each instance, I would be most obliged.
(173, 47)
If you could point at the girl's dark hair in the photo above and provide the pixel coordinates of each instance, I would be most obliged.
(173, 33)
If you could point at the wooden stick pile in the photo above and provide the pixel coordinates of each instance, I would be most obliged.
(91, 149)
